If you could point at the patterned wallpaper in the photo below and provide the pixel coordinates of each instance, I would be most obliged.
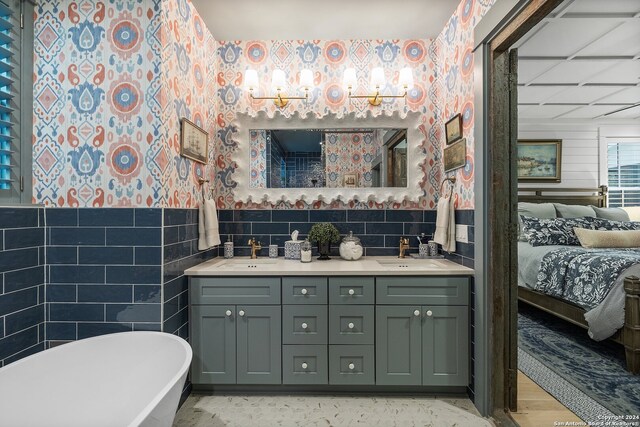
(188, 90)
(351, 153)
(452, 89)
(111, 80)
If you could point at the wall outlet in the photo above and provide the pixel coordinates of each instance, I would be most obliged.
(462, 233)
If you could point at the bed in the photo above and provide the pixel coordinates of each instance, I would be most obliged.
(606, 319)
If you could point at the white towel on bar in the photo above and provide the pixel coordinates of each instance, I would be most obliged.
(446, 224)
(208, 228)
(202, 238)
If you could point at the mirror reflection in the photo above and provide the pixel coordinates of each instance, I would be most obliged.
(328, 158)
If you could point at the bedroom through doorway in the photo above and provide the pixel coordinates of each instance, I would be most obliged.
(575, 168)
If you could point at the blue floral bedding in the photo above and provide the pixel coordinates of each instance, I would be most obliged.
(583, 276)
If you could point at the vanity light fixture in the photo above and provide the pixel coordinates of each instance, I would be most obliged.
(350, 81)
(278, 86)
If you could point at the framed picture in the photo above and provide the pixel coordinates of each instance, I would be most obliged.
(350, 180)
(539, 160)
(193, 142)
(455, 155)
(453, 129)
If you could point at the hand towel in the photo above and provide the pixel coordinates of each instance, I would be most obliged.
(451, 244)
(441, 236)
(211, 227)
(202, 238)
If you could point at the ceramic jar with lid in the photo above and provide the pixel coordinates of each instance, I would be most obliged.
(351, 249)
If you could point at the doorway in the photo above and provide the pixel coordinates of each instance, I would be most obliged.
(499, 185)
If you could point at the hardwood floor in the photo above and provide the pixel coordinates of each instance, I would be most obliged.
(537, 408)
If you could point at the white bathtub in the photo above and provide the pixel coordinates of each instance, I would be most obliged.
(124, 379)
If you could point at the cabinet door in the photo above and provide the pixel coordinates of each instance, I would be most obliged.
(259, 335)
(213, 337)
(398, 345)
(445, 345)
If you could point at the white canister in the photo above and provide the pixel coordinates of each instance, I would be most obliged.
(433, 248)
(228, 249)
(273, 251)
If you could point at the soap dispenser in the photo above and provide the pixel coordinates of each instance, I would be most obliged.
(228, 247)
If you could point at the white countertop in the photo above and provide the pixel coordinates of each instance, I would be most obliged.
(366, 266)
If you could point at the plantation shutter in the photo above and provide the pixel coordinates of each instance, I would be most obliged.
(623, 171)
(9, 120)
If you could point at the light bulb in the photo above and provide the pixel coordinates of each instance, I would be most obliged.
(349, 80)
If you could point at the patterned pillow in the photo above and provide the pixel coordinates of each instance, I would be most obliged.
(611, 225)
(554, 231)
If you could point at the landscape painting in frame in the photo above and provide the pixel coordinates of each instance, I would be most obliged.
(539, 160)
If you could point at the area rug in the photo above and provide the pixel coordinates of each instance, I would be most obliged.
(586, 376)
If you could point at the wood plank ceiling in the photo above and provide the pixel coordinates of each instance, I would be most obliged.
(582, 62)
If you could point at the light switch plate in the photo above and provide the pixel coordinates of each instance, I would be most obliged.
(462, 233)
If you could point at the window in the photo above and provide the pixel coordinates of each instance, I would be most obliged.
(16, 103)
(623, 172)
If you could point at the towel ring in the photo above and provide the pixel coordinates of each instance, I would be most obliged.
(450, 179)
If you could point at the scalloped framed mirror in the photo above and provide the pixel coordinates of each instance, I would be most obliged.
(329, 158)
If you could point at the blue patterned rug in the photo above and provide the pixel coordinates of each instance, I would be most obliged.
(586, 376)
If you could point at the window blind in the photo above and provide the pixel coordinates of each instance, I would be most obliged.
(623, 170)
(8, 89)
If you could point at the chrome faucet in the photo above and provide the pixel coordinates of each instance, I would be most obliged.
(255, 246)
(404, 245)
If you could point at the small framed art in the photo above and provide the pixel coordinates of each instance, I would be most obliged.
(193, 142)
(350, 180)
(453, 129)
(539, 160)
(455, 155)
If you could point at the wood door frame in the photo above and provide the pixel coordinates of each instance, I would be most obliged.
(498, 210)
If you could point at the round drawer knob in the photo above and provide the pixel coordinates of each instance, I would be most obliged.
(228, 313)
(304, 365)
(304, 291)
(351, 292)
(304, 326)
(241, 313)
(429, 313)
(416, 313)
(351, 325)
(352, 366)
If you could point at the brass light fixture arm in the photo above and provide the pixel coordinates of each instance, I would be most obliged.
(281, 100)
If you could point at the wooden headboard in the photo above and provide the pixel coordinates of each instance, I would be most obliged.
(568, 196)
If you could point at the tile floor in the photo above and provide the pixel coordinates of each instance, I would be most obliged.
(326, 411)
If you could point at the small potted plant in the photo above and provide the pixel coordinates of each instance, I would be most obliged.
(324, 233)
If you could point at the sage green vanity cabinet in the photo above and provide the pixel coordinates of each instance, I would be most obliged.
(235, 338)
(213, 340)
(336, 330)
(422, 331)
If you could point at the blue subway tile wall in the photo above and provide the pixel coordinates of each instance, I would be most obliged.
(180, 250)
(22, 289)
(105, 271)
(379, 230)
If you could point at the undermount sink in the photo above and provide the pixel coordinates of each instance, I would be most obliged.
(247, 264)
(413, 264)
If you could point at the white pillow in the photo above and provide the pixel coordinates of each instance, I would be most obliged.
(608, 239)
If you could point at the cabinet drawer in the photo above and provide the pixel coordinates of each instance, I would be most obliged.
(235, 290)
(351, 364)
(304, 290)
(351, 290)
(304, 324)
(304, 364)
(422, 290)
(351, 325)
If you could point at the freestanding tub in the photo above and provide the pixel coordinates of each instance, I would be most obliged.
(124, 379)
